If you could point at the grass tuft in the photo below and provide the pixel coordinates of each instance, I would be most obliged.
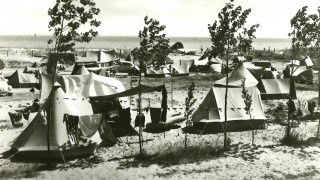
(21, 171)
(293, 139)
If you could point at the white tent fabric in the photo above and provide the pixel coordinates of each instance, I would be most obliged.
(34, 137)
(180, 69)
(182, 60)
(294, 62)
(215, 68)
(82, 86)
(19, 79)
(308, 61)
(236, 77)
(276, 86)
(4, 87)
(198, 62)
(107, 56)
(93, 54)
(297, 70)
(217, 60)
(163, 70)
(212, 107)
(81, 71)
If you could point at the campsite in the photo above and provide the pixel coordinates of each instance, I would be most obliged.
(267, 158)
(86, 94)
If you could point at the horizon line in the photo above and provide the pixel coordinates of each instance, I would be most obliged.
(138, 37)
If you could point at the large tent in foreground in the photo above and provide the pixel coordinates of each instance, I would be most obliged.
(31, 144)
(209, 117)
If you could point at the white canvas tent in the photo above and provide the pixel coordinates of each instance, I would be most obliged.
(209, 117)
(162, 72)
(107, 56)
(276, 89)
(32, 142)
(180, 71)
(236, 76)
(81, 71)
(308, 62)
(22, 80)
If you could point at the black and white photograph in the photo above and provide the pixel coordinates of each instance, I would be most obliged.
(160, 89)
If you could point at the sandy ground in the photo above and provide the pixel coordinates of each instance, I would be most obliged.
(267, 159)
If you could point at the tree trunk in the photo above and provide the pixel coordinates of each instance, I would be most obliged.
(139, 113)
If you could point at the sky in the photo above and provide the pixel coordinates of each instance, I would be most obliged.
(183, 18)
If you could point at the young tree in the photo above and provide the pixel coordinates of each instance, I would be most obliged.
(154, 49)
(190, 100)
(228, 37)
(305, 35)
(67, 17)
(247, 98)
(154, 46)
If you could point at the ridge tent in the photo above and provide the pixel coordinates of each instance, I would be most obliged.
(34, 65)
(32, 142)
(209, 117)
(102, 55)
(102, 71)
(29, 69)
(180, 71)
(238, 59)
(82, 86)
(217, 60)
(108, 55)
(162, 72)
(181, 60)
(80, 71)
(264, 64)
(276, 89)
(5, 89)
(93, 55)
(308, 62)
(236, 77)
(300, 73)
(22, 80)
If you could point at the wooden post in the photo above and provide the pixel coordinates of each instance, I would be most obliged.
(318, 131)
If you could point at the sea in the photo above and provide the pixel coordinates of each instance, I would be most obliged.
(130, 42)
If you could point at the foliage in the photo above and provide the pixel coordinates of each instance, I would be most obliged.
(190, 100)
(154, 46)
(247, 98)
(67, 16)
(292, 139)
(2, 65)
(306, 31)
(228, 35)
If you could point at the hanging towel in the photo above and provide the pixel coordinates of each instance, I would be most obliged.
(90, 124)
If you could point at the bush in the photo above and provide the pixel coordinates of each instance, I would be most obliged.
(2, 65)
(293, 139)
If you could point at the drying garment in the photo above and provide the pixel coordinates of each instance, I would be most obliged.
(90, 124)
(72, 127)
